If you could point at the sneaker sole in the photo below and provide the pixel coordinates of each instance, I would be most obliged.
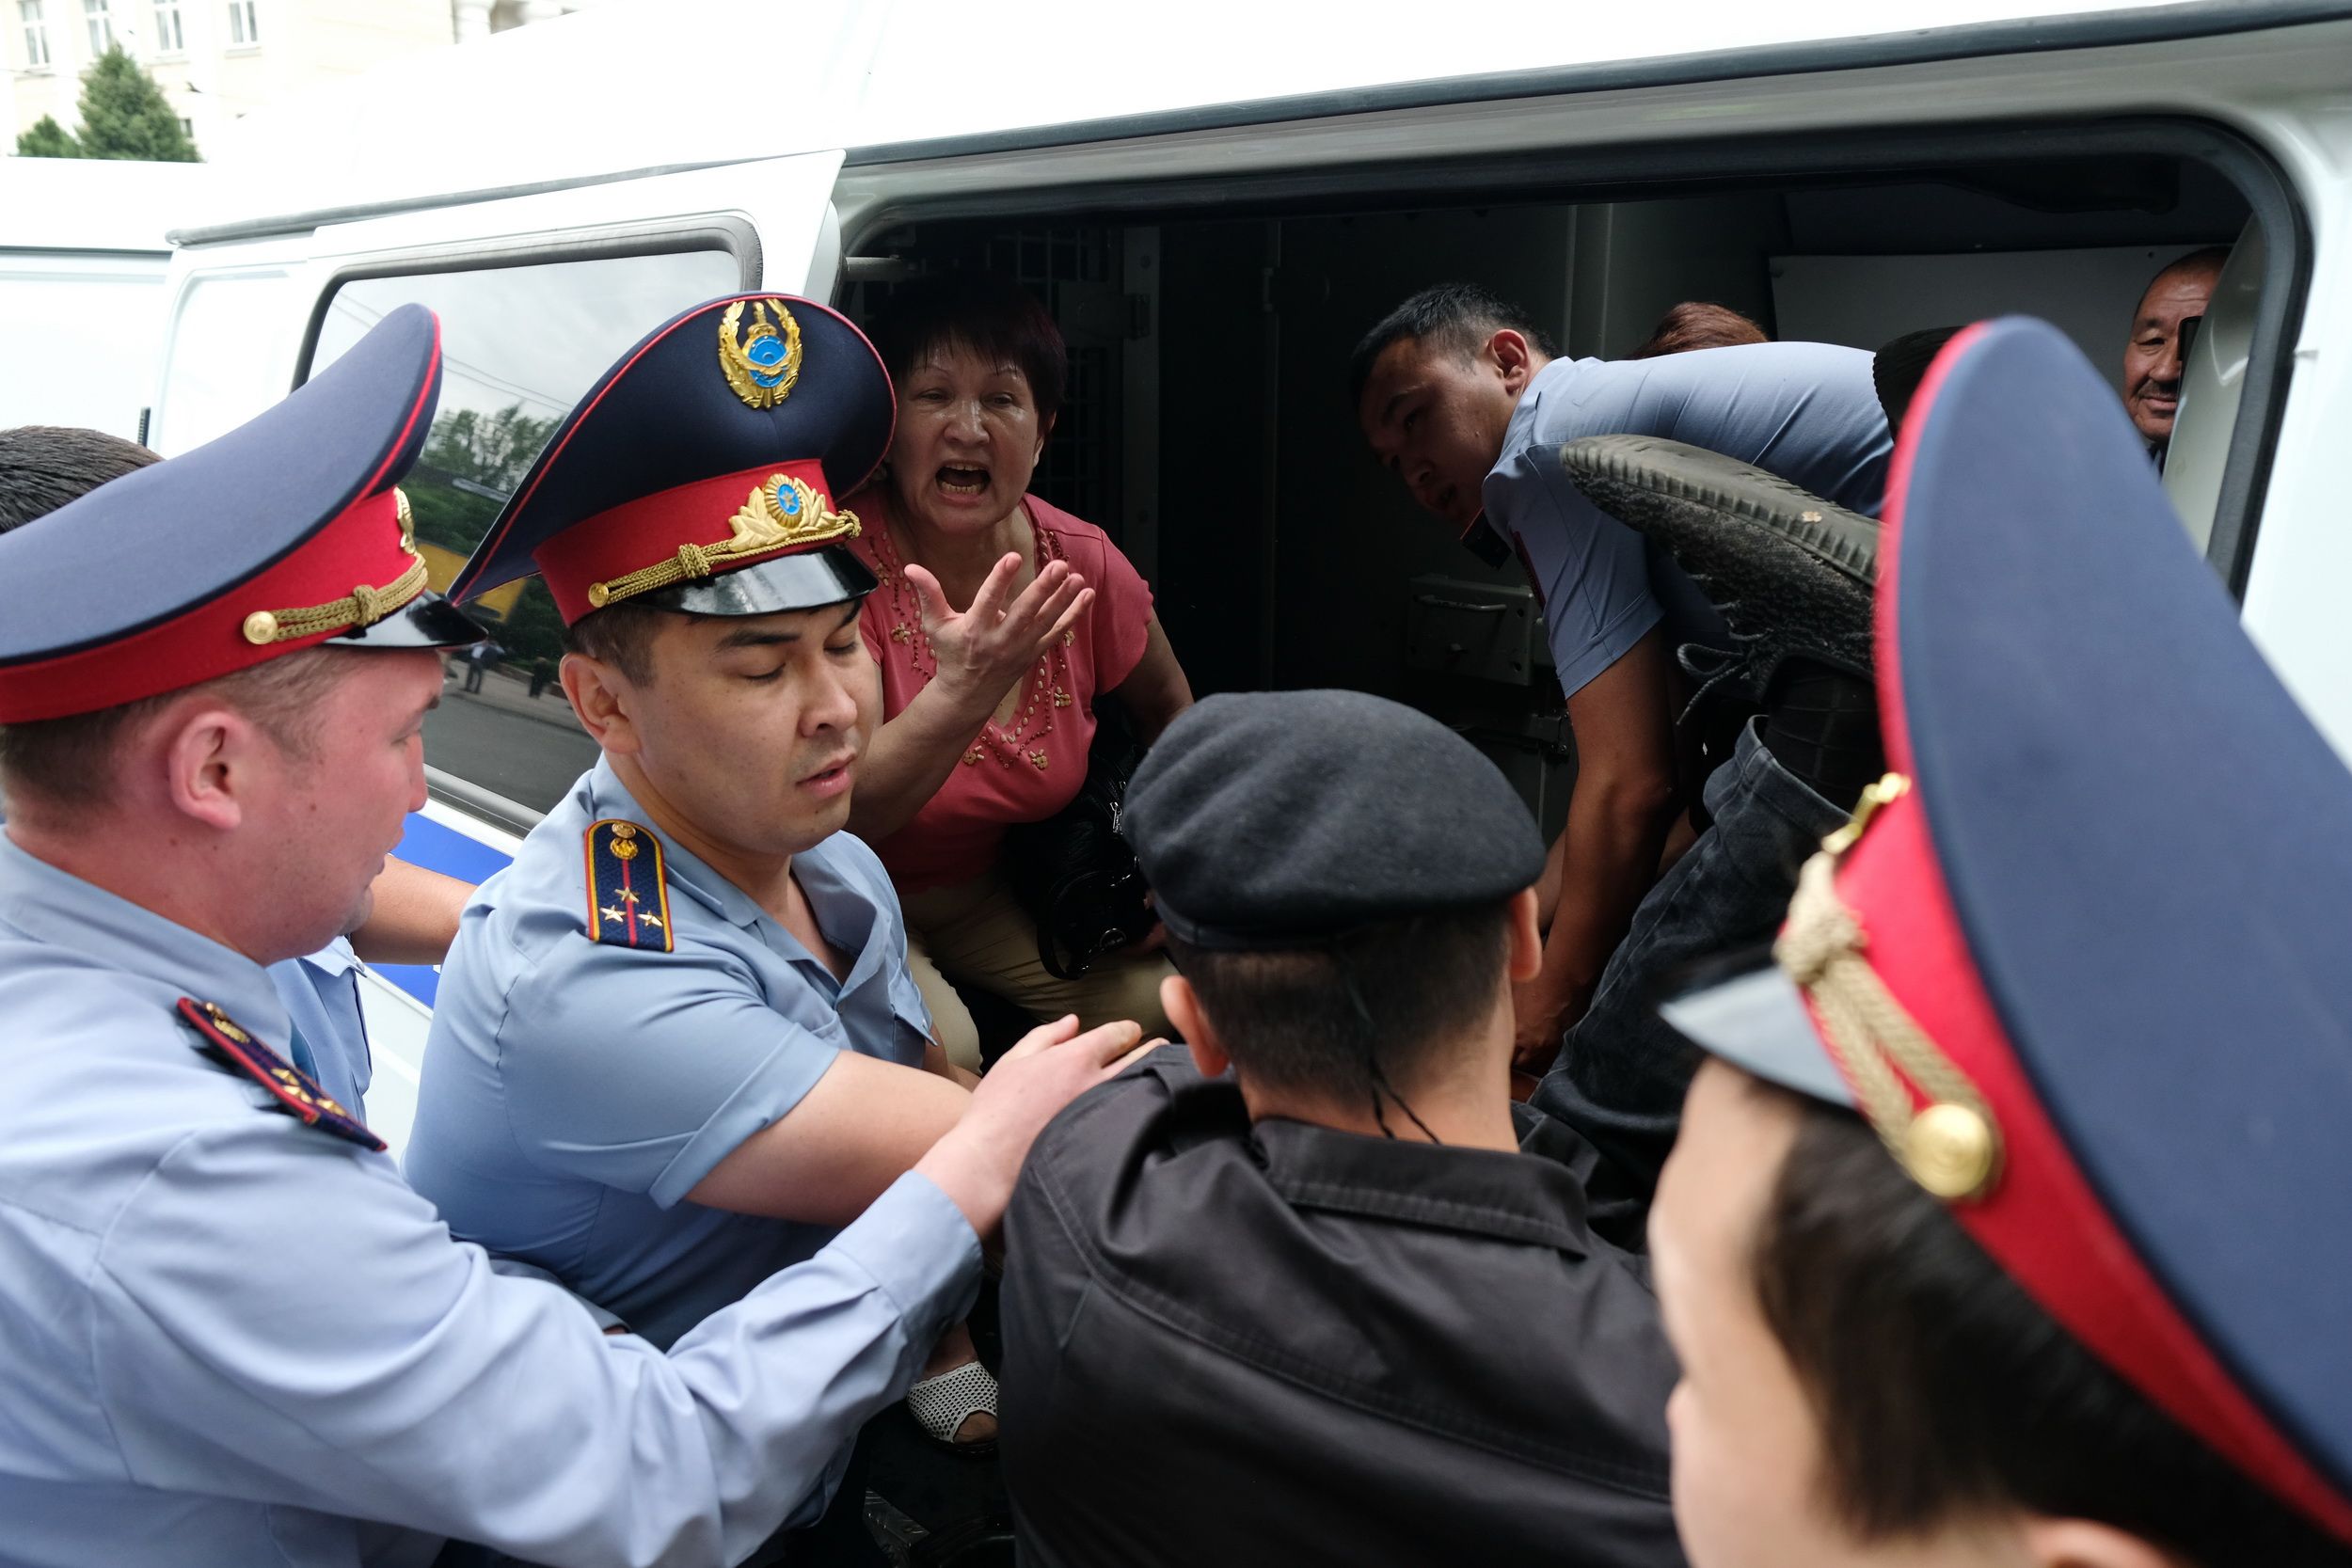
(1798, 568)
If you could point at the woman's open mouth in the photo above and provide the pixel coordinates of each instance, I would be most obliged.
(962, 480)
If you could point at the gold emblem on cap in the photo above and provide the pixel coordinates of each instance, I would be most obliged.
(362, 607)
(763, 364)
(783, 512)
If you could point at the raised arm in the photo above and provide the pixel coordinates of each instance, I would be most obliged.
(981, 653)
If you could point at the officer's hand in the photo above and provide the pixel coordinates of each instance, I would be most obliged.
(983, 651)
(976, 1163)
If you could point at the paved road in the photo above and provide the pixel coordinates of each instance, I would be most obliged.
(506, 747)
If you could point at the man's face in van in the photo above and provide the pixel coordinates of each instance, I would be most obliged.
(1434, 414)
(2152, 362)
(745, 737)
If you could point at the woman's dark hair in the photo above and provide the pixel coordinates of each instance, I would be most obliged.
(991, 317)
(1944, 1390)
(1325, 1019)
(1695, 325)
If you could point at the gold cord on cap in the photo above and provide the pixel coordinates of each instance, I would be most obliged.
(362, 607)
(1951, 1146)
(780, 514)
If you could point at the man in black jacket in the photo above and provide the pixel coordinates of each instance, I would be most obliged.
(1301, 1296)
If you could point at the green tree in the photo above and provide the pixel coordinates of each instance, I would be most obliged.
(125, 115)
(47, 139)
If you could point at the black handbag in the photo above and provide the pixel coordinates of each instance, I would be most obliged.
(1073, 871)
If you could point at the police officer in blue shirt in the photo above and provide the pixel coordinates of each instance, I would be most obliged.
(45, 467)
(676, 1044)
(228, 1331)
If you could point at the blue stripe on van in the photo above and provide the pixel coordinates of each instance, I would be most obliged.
(435, 847)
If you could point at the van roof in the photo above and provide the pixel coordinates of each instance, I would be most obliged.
(638, 86)
(98, 203)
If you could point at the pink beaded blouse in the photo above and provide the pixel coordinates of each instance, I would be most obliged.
(1030, 766)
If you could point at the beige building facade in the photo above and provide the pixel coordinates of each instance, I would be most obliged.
(218, 59)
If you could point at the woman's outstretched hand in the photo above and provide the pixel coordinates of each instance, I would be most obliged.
(984, 650)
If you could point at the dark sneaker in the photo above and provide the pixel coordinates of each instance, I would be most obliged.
(1790, 573)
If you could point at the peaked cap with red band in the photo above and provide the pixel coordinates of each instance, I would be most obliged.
(700, 473)
(2109, 911)
(285, 533)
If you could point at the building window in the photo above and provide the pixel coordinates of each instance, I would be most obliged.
(187, 127)
(102, 26)
(36, 34)
(244, 29)
(170, 37)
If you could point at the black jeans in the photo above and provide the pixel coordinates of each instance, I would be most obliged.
(1621, 1073)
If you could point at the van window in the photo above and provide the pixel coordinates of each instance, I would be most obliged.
(519, 345)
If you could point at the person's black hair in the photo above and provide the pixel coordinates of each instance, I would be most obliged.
(994, 318)
(620, 635)
(2212, 257)
(1943, 1391)
(1455, 317)
(1355, 1017)
(43, 467)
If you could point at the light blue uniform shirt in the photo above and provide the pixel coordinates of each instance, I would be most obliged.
(321, 992)
(575, 1092)
(322, 997)
(1806, 412)
(228, 1338)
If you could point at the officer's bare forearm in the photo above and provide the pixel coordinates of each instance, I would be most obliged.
(413, 917)
(1608, 861)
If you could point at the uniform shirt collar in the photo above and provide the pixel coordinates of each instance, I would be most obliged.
(844, 910)
(62, 910)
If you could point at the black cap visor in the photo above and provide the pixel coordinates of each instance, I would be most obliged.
(830, 575)
(1757, 1020)
(427, 621)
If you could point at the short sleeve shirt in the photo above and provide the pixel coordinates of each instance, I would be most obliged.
(321, 992)
(574, 1092)
(1029, 770)
(1807, 412)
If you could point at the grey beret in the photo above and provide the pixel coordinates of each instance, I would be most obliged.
(1278, 819)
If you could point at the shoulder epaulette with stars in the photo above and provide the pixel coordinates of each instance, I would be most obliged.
(628, 898)
(228, 1042)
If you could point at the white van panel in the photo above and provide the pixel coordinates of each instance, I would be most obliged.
(82, 329)
(228, 352)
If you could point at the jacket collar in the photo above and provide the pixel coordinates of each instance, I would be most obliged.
(1508, 1196)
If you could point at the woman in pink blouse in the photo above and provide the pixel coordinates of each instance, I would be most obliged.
(1000, 619)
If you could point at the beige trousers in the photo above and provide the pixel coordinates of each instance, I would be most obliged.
(978, 932)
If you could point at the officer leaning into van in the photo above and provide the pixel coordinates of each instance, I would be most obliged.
(412, 913)
(676, 1044)
(228, 1331)
(2012, 1223)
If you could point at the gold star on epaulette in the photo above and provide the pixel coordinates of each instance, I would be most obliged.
(653, 920)
(611, 913)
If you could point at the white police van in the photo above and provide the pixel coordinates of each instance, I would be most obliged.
(1218, 200)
